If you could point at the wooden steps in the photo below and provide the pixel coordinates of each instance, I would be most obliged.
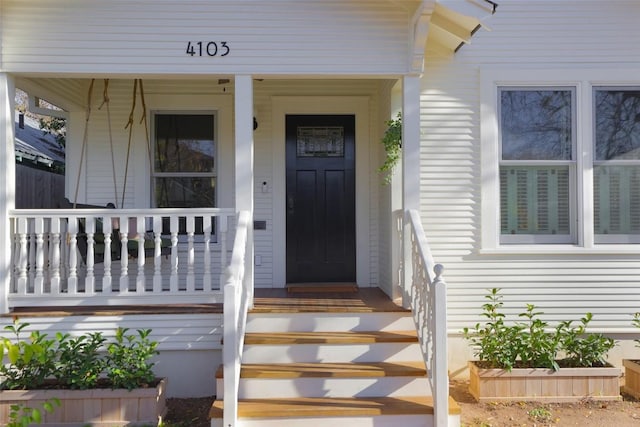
(331, 360)
(331, 370)
(334, 407)
(292, 338)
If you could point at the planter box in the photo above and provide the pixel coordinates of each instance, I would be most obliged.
(545, 385)
(96, 407)
(631, 377)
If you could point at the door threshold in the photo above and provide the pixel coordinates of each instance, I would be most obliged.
(322, 287)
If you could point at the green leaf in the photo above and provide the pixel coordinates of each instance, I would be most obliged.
(13, 353)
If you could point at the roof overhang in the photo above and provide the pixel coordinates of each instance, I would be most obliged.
(442, 28)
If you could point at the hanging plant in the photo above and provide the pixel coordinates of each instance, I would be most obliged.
(392, 141)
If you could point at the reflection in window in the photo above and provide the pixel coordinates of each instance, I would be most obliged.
(616, 177)
(184, 160)
(536, 165)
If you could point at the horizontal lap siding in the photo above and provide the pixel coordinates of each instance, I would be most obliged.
(541, 34)
(121, 36)
(172, 332)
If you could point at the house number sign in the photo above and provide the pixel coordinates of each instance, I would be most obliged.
(207, 48)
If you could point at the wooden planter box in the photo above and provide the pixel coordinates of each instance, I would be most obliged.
(96, 407)
(631, 377)
(545, 385)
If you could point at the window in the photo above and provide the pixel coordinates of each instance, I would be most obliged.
(537, 164)
(616, 165)
(560, 160)
(184, 169)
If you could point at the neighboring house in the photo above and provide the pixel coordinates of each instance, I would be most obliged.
(39, 163)
(520, 153)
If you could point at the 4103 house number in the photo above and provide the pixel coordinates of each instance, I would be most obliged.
(210, 48)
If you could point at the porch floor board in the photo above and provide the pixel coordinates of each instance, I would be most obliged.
(364, 300)
(272, 300)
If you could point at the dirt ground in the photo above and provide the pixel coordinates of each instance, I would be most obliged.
(193, 412)
(534, 414)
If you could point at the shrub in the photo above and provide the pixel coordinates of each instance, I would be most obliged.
(532, 344)
(128, 363)
(636, 322)
(76, 363)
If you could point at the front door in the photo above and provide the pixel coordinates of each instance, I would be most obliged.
(321, 240)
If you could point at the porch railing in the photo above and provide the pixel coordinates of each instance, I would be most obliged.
(238, 299)
(428, 298)
(117, 257)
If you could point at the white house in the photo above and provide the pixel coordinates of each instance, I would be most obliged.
(520, 157)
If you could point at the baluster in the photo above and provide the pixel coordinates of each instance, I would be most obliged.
(38, 285)
(54, 256)
(191, 228)
(107, 281)
(21, 285)
(157, 254)
(173, 281)
(140, 279)
(206, 276)
(223, 222)
(72, 280)
(124, 254)
(31, 265)
(89, 282)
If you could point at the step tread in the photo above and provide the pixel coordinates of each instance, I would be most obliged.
(331, 370)
(255, 338)
(328, 406)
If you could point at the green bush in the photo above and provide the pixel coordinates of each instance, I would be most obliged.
(82, 362)
(532, 343)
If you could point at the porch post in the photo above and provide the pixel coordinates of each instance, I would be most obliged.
(244, 158)
(410, 168)
(7, 185)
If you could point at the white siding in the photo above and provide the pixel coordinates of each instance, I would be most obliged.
(265, 37)
(525, 34)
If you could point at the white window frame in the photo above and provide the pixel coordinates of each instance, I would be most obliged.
(612, 238)
(213, 173)
(584, 80)
(571, 163)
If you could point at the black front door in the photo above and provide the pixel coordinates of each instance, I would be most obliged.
(321, 241)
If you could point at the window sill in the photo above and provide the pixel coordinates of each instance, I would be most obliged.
(542, 249)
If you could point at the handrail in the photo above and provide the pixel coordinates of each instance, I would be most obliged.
(428, 298)
(237, 300)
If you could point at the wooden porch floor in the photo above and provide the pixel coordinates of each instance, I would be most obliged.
(363, 300)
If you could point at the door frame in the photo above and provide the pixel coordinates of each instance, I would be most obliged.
(359, 107)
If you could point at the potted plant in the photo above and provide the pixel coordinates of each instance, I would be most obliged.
(392, 142)
(90, 380)
(527, 360)
(632, 368)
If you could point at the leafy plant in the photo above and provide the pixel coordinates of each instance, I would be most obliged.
(540, 414)
(495, 343)
(79, 363)
(537, 346)
(128, 364)
(582, 349)
(76, 363)
(30, 362)
(392, 141)
(532, 344)
(21, 415)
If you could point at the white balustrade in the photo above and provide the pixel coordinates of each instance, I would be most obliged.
(428, 298)
(66, 256)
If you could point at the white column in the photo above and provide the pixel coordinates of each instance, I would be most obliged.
(244, 157)
(410, 163)
(7, 183)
